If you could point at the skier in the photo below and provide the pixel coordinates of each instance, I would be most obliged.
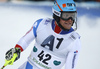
(56, 41)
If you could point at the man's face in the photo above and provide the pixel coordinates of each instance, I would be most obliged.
(66, 23)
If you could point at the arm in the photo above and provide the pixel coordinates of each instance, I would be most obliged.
(73, 55)
(28, 37)
(25, 40)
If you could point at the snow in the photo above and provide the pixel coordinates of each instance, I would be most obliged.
(17, 18)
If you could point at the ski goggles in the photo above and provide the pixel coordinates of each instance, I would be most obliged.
(68, 15)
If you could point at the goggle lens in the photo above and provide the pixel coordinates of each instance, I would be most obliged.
(68, 15)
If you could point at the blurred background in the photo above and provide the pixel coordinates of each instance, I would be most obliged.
(53, 0)
(18, 16)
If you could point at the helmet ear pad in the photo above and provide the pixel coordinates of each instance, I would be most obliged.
(56, 18)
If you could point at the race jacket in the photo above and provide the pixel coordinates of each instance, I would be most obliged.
(52, 49)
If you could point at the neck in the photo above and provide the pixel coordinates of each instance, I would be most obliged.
(57, 29)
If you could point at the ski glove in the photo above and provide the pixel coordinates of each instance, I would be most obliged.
(9, 54)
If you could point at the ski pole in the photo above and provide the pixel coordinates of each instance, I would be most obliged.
(10, 62)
